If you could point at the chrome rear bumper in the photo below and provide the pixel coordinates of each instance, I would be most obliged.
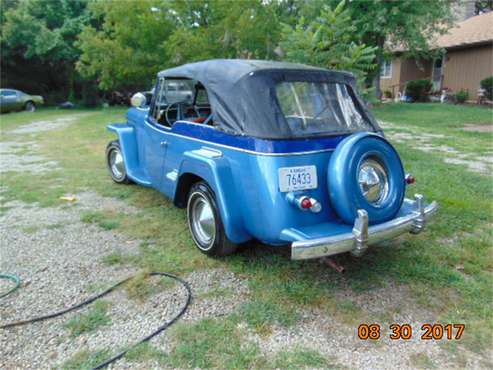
(362, 235)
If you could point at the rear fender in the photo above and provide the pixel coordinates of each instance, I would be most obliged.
(216, 171)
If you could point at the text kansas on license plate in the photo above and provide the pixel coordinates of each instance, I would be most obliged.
(297, 178)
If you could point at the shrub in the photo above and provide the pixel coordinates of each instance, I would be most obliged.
(89, 94)
(487, 84)
(461, 96)
(418, 90)
(388, 94)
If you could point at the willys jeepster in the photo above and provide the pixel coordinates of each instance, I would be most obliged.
(283, 153)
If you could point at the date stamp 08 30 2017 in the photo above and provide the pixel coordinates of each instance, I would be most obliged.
(405, 331)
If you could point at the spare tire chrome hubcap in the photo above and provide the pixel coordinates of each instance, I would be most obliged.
(202, 221)
(373, 181)
(116, 164)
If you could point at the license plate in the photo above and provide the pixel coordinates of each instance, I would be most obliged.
(297, 178)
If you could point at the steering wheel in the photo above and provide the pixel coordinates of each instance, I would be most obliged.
(180, 107)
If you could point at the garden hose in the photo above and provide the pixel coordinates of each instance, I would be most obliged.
(13, 278)
(100, 295)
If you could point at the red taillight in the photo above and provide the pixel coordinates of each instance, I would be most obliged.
(410, 179)
(306, 203)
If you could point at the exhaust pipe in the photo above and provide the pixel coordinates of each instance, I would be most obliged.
(331, 262)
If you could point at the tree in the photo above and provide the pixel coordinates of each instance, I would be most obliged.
(291, 11)
(45, 32)
(46, 29)
(408, 24)
(223, 29)
(328, 41)
(128, 46)
(167, 33)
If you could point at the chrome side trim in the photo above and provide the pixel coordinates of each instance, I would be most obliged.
(166, 131)
(247, 150)
(208, 152)
(362, 235)
(173, 175)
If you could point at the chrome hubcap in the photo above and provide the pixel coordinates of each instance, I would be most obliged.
(116, 164)
(373, 181)
(202, 221)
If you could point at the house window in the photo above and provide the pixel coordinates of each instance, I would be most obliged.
(386, 70)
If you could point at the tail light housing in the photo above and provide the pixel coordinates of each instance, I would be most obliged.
(410, 179)
(304, 202)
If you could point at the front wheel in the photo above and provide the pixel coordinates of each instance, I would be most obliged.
(116, 165)
(204, 221)
(30, 107)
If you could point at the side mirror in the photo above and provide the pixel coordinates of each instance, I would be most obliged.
(138, 100)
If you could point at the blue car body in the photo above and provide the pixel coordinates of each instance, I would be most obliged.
(243, 172)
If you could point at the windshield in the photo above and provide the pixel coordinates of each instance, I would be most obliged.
(315, 108)
(177, 91)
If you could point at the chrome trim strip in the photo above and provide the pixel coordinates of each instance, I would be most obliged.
(363, 235)
(208, 152)
(166, 130)
(173, 175)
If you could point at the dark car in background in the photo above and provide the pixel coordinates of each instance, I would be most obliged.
(15, 100)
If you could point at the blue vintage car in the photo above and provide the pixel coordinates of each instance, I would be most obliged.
(283, 153)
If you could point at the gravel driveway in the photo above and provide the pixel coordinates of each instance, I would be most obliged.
(59, 259)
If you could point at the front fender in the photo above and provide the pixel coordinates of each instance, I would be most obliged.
(216, 171)
(128, 144)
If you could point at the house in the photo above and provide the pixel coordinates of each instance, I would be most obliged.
(467, 60)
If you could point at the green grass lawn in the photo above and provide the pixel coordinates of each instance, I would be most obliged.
(453, 261)
(433, 116)
(448, 269)
(443, 119)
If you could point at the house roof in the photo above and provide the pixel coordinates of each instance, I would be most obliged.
(474, 30)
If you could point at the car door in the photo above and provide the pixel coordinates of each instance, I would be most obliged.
(8, 100)
(154, 139)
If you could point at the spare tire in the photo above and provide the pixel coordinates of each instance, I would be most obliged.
(365, 172)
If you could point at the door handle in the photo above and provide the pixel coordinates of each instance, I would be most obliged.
(164, 143)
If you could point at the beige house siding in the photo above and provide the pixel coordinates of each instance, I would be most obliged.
(394, 80)
(404, 70)
(468, 58)
(465, 68)
(412, 70)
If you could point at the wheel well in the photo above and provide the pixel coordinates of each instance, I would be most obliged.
(184, 184)
(29, 101)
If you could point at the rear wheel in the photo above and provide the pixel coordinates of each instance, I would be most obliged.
(116, 165)
(30, 107)
(204, 221)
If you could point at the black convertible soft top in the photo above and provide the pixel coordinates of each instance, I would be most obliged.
(242, 93)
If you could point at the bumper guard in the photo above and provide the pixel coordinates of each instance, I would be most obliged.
(362, 235)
